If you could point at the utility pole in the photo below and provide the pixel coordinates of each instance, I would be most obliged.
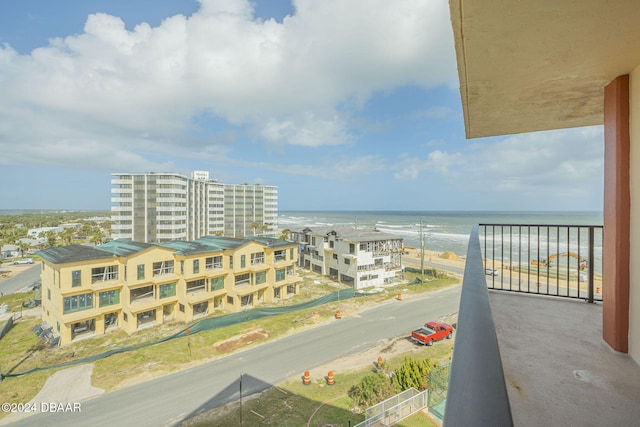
(240, 400)
(421, 253)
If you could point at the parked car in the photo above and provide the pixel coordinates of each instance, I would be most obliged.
(430, 332)
(491, 271)
(23, 261)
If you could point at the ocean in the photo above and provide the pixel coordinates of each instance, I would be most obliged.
(443, 231)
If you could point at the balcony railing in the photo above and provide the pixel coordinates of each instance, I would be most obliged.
(477, 394)
(558, 260)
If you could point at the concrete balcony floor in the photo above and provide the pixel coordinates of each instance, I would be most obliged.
(558, 369)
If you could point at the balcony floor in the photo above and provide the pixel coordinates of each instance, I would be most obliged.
(558, 369)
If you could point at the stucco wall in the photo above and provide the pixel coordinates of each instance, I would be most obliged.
(634, 264)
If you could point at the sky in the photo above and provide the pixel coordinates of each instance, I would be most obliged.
(342, 104)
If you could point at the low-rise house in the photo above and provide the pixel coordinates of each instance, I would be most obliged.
(40, 233)
(131, 285)
(360, 258)
(9, 251)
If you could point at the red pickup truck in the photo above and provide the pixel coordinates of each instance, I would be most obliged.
(430, 332)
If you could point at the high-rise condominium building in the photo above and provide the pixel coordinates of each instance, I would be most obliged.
(159, 207)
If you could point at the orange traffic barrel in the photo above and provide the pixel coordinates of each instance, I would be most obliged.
(597, 290)
(338, 314)
(306, 379)
(379, 361)
(330, 380)
(399, 297)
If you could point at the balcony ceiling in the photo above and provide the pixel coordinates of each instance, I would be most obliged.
(534, 65)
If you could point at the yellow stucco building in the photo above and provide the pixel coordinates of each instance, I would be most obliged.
(130, 285)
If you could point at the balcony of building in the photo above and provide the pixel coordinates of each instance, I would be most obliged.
(530, 356)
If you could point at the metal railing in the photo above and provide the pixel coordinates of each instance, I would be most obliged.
(557, 260)
(477, 394)
(394, 409)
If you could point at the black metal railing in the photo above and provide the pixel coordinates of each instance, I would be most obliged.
(557, 260)
(477, 394)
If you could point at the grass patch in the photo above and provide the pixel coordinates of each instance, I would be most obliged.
(14, 301)
(418, 419)
(294, 404)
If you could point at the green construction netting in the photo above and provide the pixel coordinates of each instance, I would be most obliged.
(205, 325)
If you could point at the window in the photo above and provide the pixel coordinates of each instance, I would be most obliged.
(291, 289)
(143, 293)
(257, 258)
(109, 297)
(261, 277)
(162, 267)
(196, 266)
(352, 248)
(280, 255)
(167, 290)
(78, 303)
(291, 252)
(75, 278)
(140, 271)
(276, 292)
(196, 286)
(243, 261)
(229, 300)
(231, 261)
(217, 283)
(213, 262)
(246, 300)
(280, 275)
(242, 279)
(49, 294)
(335, 256)
(102, 274)
(346, 261)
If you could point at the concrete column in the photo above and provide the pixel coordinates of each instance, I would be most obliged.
(615, 289)
(634, 255)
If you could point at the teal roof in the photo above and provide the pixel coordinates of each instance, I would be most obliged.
(73, 253)
(125, 248)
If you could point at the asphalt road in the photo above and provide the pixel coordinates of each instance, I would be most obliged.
(22, 281)
(427, 264)
(168, 400)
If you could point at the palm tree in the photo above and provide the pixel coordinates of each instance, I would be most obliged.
(51, 237)
(255, 226)
(22, 247)
(67, 234)
(285, 234)
(265, 228)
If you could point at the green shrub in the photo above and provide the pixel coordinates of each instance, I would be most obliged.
(412, 373)
(372, 389)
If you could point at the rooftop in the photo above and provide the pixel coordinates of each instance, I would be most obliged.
(125, 248)
(352, 234)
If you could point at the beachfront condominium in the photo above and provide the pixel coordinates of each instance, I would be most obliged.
(359, 257)
(160, 207)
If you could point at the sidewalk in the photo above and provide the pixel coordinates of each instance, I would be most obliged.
(27, 312)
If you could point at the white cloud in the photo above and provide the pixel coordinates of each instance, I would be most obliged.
(410, 168)
(290, 80)
(564, 166)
